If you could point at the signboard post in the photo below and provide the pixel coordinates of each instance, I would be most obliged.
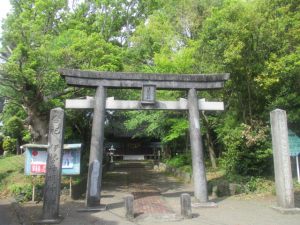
(297, 163)
(294, 146)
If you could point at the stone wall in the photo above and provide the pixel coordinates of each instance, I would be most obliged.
(185, 176)
(215, 188)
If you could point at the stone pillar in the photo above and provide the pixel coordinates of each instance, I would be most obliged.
(186, 205)
(282, 163)
(53, 168)
(129, 213)
(96, 150)
(199, 176)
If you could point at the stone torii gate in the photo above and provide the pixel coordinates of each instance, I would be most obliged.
(148, 83)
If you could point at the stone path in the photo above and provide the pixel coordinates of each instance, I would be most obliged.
(150, 203)
(148, 200)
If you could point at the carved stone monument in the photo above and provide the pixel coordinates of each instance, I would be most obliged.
(282, 163)
(53, 168)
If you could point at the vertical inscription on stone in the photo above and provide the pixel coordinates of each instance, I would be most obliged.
(148, 94)
(54, 161)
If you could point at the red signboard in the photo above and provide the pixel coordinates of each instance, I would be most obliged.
(38, 168)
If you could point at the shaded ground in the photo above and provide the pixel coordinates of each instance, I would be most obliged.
(157, 201)
(7, 215)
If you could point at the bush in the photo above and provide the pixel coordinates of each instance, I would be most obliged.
(180, 160)
(26, 136)
(13, 127)
(247, 148)
(22, 192)
(9, 144)
(258, 185)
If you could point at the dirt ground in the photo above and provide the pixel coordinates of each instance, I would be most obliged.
(157, 200)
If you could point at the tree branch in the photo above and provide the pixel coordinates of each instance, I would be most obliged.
(64, 92)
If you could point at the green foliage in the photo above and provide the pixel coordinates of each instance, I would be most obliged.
(11, 163)
(257, 42)
(9, 144)
(258, 185)
(181, 160)
(11, 171)
(13, 127)
(178, 129)
(22, 192)
(26, 136)
(146, 123)
(77, 49)
(247, 144)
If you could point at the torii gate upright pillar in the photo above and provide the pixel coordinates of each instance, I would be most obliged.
(199, 176)
(96, 150)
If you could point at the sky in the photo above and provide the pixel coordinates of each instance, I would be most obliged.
(4, 9)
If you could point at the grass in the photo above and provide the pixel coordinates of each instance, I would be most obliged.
(11, 163)
(11, 173)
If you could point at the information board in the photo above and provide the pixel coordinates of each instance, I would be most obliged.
(294, 144)
(36, 158)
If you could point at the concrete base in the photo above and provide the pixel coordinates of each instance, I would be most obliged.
(204, 205)
(286, 210)
(49, 221)
(93, 209)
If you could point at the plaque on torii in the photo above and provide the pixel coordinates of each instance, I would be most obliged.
(148, 84)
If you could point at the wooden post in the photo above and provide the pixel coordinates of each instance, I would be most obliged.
(199, 176)
(96, 150)
(70, 192)
(33, 193)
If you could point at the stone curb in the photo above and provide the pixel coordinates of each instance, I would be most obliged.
(286, 210)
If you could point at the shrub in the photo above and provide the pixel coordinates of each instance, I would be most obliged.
(180, 160)
(13, 127)
(22, 192)
(258, 185)
(247, 148)
(9, 144)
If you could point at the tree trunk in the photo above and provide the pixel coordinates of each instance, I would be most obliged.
(211, 151)
(18, 147)
(210, 144)
(38, 126)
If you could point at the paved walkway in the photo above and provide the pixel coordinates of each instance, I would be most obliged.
(7, 215)
(157, 201)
